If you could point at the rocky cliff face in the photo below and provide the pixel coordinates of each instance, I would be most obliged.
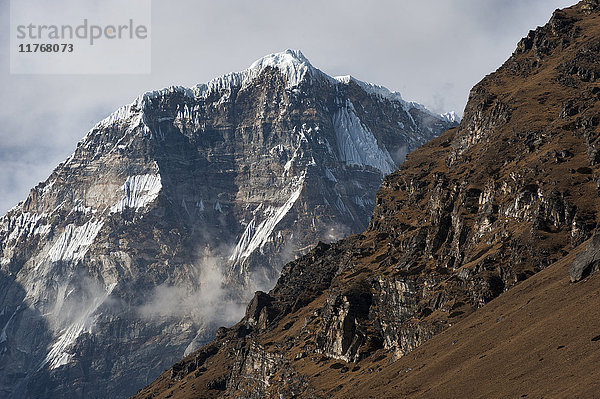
(467, 217)
(175, 207)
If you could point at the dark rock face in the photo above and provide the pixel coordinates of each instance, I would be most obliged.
(174, 209)
(258, 312)
(467, 217)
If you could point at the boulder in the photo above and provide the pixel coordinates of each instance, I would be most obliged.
(587, 261)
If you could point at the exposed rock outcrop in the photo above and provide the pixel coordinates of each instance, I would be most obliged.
(587, 261)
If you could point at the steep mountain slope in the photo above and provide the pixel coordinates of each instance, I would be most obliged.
(466, 218)
(539, 339)
(175, 208)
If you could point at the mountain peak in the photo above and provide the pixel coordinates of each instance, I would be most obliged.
(219, 186)
(282, 59)
(292, 64)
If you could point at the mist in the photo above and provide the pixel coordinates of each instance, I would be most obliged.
(204, 298)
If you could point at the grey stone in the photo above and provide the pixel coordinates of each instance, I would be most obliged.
(587, 261)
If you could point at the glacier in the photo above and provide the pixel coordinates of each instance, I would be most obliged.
(356, 144)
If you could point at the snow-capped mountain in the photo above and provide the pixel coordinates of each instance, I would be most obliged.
(451, 117)
(175, 208)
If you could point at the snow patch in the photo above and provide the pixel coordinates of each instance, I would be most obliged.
(139, 191)
(74, 242)
(24, 224)
(59, 352)
(451, 117)
(131, 115)
(253, 237)
(244, 242)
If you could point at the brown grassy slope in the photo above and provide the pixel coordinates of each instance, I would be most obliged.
(533, 340)
(471, 214)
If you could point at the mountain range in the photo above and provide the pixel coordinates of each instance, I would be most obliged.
(173, 210)
(476, 275)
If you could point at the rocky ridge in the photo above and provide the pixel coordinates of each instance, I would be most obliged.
(466, 218)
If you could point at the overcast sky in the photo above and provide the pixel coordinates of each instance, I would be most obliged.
(431, 51)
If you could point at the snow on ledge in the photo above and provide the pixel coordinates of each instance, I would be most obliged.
(139, 191)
